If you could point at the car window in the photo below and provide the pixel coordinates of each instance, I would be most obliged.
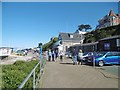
(101, 54)
(116, 54)
(113, 54)
(85, 54)
(109, 54)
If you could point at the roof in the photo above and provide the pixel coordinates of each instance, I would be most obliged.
(6, 48)
(111, 13)
(67, 37)
(112, 37)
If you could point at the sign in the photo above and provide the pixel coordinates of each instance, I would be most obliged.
(107, 46)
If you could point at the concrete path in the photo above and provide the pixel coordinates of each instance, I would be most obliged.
(66, 75)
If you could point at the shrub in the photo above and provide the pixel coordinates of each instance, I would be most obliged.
(13, 75)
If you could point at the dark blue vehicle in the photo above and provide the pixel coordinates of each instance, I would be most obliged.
(103, 58)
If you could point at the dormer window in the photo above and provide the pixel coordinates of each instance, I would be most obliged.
(70, 35)
(60, 38)
(113, 17)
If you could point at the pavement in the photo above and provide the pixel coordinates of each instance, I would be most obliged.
(67, 75)
(113, 69)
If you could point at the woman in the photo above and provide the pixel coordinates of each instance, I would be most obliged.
(61, 56)
(49, 55)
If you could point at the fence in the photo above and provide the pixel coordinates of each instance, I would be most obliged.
(42, 64)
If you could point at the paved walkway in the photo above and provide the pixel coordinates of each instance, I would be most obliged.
(66, 75)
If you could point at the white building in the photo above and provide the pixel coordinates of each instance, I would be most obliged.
(5, 51)
(111, 19)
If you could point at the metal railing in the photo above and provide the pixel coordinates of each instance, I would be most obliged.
(42, 65)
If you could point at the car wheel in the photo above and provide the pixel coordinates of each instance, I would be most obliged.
(100, 63)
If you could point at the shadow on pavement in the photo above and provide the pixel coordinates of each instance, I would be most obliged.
(66, 63)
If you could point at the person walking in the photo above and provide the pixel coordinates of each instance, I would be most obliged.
(74, 56)
(53, 55)
(79, 57)
(56, 54)
(49, 55)
(61, 56)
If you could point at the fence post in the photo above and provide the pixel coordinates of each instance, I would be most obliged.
(34, 80)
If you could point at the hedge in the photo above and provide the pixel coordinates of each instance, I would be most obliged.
(13, 75)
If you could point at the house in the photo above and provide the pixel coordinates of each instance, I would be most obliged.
(5, 51)
(86, 47)
(110, 43)
(111, 19)
(69, 39)
(106, 44)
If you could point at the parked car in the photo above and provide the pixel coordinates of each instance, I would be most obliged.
(20, 52)
(102, 58)
(68, 54)
(86, 55)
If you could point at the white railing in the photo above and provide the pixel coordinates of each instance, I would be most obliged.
(35, 81)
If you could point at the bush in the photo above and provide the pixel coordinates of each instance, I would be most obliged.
(13, 75)
(98, 34)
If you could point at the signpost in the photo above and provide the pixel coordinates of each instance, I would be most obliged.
(41, 62)
(40, 46)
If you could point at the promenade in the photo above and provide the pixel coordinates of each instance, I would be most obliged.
(66, 75)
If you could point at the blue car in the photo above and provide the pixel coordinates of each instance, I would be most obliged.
(103, 58)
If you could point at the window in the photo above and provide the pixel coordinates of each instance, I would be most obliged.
(106, 46)
(60, 38)
(71, 36)
(118, 42)
(110, 54)
(113, 17)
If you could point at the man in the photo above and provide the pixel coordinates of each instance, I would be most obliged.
(74, 58)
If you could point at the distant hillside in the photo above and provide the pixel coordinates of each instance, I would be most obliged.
(98, 34)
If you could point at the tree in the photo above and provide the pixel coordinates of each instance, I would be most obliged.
(49, 44)
(83, 27)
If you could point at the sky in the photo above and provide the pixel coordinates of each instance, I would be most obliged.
(25, 24)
